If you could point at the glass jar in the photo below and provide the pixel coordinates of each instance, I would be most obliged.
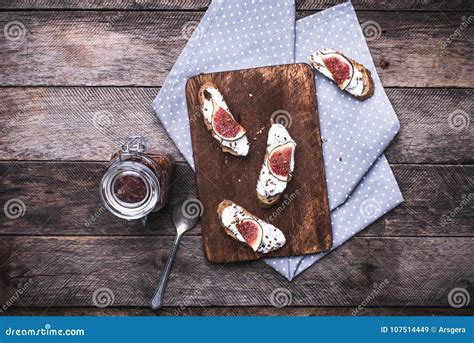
(136, 183)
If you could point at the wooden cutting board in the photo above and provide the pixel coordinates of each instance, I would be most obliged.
(253, 95)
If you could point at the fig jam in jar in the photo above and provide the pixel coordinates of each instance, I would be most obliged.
(136, 183)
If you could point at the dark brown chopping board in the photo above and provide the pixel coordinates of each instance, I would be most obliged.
(253, 95)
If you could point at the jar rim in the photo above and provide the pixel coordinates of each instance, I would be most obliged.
(120, 208)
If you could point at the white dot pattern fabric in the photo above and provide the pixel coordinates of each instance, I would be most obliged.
(232, 35)
(354, 133)
(238, 34)
(376, 194)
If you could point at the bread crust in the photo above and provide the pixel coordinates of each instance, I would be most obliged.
(268, 202)
(202, 99)
(220, 208)
(369, 86)
(368, 82)
(223, 205)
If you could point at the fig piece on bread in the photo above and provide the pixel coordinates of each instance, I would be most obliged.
(348, 74)
(220, 122)
(277, 167)
(243, 226)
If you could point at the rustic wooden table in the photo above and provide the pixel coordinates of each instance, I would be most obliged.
(77, 77)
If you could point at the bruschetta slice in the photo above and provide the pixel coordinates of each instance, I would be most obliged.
(349, 75)
(243, 226)
(278, 166)
(220, 122)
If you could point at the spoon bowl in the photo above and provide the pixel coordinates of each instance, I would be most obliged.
(186, 214)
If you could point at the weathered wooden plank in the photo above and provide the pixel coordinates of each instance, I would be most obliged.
(89, 123)
(139, 48)
(438, 201)
(237, 311)
(412, 5)
(63, 198)
(77, 123)
(61, 271)
(435, 126)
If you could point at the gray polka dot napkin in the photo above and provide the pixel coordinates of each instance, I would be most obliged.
(234, 34)
(251, 33)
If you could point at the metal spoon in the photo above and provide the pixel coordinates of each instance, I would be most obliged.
(185, 216)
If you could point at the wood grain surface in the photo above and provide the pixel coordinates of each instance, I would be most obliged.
(75, 61)
(91, 48)
(105, 116)
(177, 5)
(65, 271)
(238, 311)
(253, 95)
(46, 188)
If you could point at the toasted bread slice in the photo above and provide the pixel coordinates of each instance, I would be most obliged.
(212, 104)
(350, 75)
(243, 226)
(277, 168)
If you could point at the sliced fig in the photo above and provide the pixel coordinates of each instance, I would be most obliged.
(252, 232)
(225, 125)
(279, 161)
(340, 68)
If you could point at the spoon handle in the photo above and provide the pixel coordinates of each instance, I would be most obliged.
(158, 297)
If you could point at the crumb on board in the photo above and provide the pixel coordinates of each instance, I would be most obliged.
(259, 132)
